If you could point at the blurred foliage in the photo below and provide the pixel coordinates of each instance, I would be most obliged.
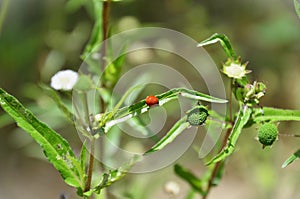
(38, 38)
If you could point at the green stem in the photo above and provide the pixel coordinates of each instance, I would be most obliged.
(4, 8)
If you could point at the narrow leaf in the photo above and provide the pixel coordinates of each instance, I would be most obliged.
(190, 178)
(225, 43)
(180, 126)
(291, 159)
(166, 97)
(269, 114)
(96, 37)
(115, 175)
(83, 158)
(55, 147)
(297, 7)
(109, 115)
(241, 120)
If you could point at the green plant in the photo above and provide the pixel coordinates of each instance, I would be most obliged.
(78, 170)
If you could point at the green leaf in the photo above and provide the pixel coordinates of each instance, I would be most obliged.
(109, 115)
(128, 112)
(291, 159)
(83, 158)
(59, 103)
(115, 175)
(96, 37)
(178, 127)
(113, 71)
(55, 147)
(269, 114)
(190, 178)
(297, 7)
(141, 106)
(241, 120)
(225, 43)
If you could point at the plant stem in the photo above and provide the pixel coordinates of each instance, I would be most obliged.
(105, 22)
(230, 100)
(92, 149)
(218, 164)
(91, 166)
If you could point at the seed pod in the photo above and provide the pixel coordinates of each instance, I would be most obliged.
(151, 100)
(267, 134)
(197, 116)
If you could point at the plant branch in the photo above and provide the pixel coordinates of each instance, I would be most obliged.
(105, 23)
(217, 166)
(91, 166)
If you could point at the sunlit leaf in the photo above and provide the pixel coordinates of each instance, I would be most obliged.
(165, 97)
(241, 120)
(223, 39)
(269, 114)
(113, 71)
(55, 147)
(291, 159)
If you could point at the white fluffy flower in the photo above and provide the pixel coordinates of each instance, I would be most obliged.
(64, 80)
(172, 188)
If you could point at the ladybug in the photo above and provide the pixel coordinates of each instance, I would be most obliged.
(151, 100)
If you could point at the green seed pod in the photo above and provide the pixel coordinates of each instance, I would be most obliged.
(197, 116)
(267, 134)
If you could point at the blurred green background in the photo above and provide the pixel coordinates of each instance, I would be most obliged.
(40, 37)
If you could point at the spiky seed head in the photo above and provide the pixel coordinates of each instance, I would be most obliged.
(267, 134)
(197, 116)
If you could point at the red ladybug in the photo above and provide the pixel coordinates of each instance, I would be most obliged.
(151, 100)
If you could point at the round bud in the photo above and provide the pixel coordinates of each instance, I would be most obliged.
(267, 134)
(197, 116)
(151, 100)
